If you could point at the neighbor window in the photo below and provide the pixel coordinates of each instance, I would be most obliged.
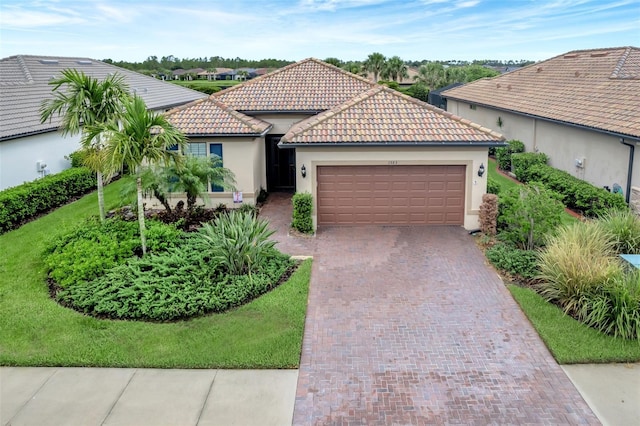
(197, 149)
(472, 106)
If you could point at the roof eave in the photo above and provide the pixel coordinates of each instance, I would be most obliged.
(551, 120)
(259, 112)
(461, 144)
(229, 135)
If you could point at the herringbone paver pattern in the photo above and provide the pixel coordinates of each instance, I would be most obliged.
(409, 326)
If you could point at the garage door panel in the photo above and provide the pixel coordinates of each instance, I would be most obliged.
(390, 195)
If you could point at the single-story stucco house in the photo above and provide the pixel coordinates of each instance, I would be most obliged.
(30, 149)
(581, 108)
(367, 154)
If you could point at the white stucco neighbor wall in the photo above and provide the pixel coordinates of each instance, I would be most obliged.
(18, 157)
(475, 186)
(605, 159)
(282, 122)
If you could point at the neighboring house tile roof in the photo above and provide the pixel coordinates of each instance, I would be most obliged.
(598, 89)
(209, 117)
(385, 116)
(24, 85)
(306, 86)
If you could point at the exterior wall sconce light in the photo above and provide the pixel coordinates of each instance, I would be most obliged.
(480, 170)
(303, 171)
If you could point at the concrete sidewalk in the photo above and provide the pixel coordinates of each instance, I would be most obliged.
(114, 396)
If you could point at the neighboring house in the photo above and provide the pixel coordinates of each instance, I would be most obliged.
(435, 96)
(581, 108)
(367, 154)
(26, 145)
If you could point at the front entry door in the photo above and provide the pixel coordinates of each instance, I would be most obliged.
(281, 166)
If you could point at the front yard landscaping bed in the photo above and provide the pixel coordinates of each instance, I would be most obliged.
(37, 331)
(569, 279)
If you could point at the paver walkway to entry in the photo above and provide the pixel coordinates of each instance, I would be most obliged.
(408, 325)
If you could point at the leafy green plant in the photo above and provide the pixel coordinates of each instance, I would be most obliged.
(503, 154)
(238, 242)
(624, 228)
(515, 261)
(576, 261)
(180, 283)
(248, 208)
(493, 187)
(527, 213)
(524, 160)
(94, 247)
(615, 308)
(302, 209)
(194, 176)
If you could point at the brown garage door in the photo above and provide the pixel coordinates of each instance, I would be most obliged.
(403, 195)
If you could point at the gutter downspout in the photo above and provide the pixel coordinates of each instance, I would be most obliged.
(632, 150)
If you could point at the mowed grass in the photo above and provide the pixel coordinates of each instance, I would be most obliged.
(36, 331)
(206, 83)
(570, 341)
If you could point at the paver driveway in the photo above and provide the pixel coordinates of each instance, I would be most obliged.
(408, 325)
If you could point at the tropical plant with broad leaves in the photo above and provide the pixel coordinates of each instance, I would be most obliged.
(238, 241)
(140, 137)
(82, 100)
(194, 176)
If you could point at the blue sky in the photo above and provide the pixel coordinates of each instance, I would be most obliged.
(296, 29)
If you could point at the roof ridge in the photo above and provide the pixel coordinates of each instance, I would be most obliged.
(444, 113)
(310, 123)
(187, 105)
(286, 68)
(25, 69)
(621, 63)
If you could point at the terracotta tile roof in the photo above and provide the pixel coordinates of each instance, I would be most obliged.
(595, 88)
(210, 117)
(24, 85)
(384, 116)
(306, 86)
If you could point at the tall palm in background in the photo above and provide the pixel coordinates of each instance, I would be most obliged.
(375, 64)
(82, 100)
(431, 75)
(395, 69)
(138, 137)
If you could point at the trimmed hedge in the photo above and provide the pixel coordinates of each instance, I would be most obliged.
(523, 161)
(493, 187)
(24, 202)
(503, 154)
(302, 208)
(577, 194)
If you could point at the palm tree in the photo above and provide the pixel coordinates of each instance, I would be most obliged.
(431, 75)
(86, 101)
(395, 69)
(195, 174)
(375, 63)
(138, 137)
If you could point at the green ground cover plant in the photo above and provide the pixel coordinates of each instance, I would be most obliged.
(302, 209)
(37, 331)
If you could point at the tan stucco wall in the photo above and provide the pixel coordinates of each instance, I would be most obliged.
(282, 122)
(243, 156)
(475, 186)
(605, 158)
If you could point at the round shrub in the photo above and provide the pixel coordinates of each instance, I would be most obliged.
(492, 186)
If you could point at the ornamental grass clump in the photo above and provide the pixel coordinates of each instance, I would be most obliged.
(577, 260)
(624, 228)
(238, 242)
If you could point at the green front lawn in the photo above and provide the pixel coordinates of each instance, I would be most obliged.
(36, 331)
(570, 341)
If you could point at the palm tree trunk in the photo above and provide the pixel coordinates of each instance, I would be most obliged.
(143, 238)
(100, 196)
